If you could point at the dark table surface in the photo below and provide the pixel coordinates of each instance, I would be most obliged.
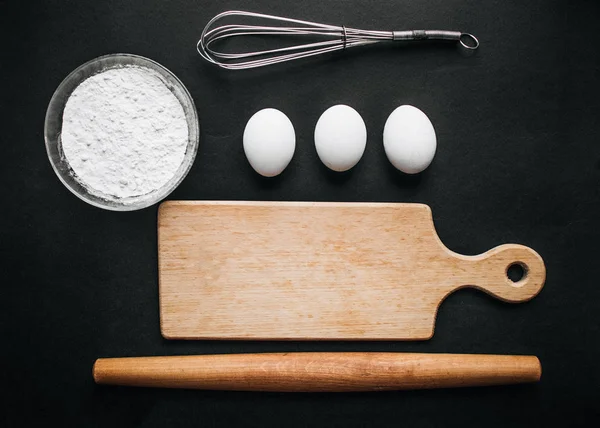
(518, 161)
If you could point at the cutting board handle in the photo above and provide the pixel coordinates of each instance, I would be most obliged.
(489, 272)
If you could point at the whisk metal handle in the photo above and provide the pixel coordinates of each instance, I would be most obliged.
(468, 41)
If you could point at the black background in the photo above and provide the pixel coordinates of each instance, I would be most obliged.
(518, 161)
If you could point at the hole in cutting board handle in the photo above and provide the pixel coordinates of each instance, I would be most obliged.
(516, 272)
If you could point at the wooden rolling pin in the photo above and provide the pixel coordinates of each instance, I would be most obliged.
(318, 372)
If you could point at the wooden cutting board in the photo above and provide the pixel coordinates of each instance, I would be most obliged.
(301, 270)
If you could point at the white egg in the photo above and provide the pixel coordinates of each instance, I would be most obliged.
(269, 142)
(340, 137)
(409, 139)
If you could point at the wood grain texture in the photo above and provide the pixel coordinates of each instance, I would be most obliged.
(318, 372)
(298, 270)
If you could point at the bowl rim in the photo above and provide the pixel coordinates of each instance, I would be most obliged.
(149, 201)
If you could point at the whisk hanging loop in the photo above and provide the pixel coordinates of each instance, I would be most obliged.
(333, 38)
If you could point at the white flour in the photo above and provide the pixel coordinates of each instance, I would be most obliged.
(124, 133)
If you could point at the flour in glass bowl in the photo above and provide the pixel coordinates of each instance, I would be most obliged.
(124, 133)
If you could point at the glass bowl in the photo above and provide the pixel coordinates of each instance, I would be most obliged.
(53, 128)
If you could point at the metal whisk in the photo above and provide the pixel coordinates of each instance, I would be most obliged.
(335, 38)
